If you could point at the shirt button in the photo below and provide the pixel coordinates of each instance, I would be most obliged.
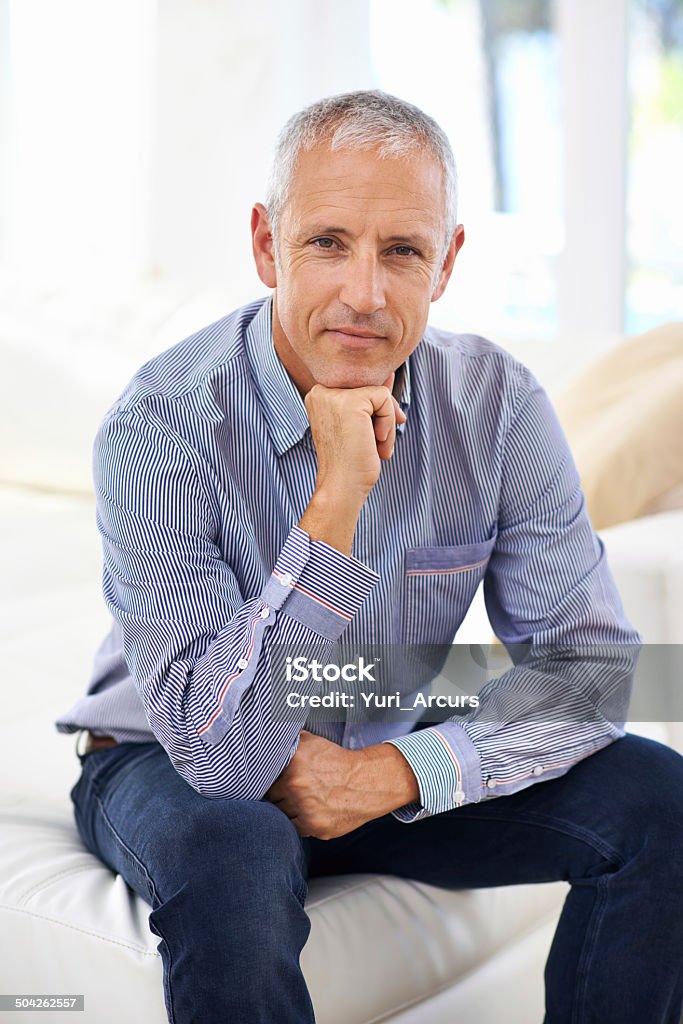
(538, 770)
(265, 612)
(491, 783)
(286, 580)
(458, 796)
(243, 663)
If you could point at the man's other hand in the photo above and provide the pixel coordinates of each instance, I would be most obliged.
(327, 790)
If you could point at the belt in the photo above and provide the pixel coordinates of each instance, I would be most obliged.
(93, 742)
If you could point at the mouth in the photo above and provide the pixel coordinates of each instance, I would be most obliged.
(355, 337)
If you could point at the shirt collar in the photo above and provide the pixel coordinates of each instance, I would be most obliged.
(282, 405)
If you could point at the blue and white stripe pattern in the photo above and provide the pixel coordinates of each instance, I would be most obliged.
(204, 467)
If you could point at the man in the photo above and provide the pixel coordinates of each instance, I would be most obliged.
(322, 465)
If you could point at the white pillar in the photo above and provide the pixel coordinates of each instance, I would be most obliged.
(5, 173)
(593, 39)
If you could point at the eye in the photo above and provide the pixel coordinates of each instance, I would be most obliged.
(325, 243)
(404, 250)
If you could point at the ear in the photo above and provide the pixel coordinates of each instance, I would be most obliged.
(457, 242)
(262, 245)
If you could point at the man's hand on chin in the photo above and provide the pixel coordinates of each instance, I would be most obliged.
(327, 790)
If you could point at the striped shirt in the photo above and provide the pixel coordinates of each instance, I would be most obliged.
(203, 468)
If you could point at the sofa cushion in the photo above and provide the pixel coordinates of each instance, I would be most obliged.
(65, 358)
(646, 559)
(623, 417)
(377, 943)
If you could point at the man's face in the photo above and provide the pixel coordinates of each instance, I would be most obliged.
(359, 246)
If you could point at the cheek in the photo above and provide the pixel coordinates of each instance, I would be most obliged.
(408, 306)
(310, 294)
(413, 312)
(307, 282)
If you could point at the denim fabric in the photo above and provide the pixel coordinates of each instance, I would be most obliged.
(227, 879)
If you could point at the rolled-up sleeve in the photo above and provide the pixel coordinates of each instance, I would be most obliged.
(199, 654)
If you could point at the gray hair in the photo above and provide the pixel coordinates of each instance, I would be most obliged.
(360, 120)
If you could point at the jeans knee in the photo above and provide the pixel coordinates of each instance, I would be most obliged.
(666, 800)
(652, 793)
(248, 845)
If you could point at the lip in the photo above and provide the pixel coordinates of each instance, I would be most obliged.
(355, 338)
(357, 332)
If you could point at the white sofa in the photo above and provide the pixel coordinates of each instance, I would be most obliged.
(381, 948)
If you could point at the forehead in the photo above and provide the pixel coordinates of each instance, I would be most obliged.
(359, 181)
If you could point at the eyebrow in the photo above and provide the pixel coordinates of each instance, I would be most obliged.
(415, 240)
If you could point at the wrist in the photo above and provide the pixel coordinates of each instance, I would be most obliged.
(385, 779)
(334, 496)
(332, 516)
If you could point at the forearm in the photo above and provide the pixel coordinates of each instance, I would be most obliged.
(214, 714)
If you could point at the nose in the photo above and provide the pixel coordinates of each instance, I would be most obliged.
(363, 284)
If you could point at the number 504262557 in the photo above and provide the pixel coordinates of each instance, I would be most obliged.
(36, 1001)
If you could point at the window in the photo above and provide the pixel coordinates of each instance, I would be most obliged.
(566, 119)
(488, 72)
(655, 151)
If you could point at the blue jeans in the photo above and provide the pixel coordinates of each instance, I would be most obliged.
(227, 879)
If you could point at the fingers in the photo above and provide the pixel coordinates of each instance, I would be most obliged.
(384, 425)
(400, 415)
(353, 430)
(387, 413)
(389, 385)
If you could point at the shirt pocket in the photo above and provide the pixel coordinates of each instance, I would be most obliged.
(440, 583)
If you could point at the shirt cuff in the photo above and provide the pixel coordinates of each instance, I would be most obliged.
(318, 585)
(447, 767)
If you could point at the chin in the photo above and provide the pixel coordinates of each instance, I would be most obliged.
(352, 377)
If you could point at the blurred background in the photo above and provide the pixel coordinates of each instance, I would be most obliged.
(135, 137)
